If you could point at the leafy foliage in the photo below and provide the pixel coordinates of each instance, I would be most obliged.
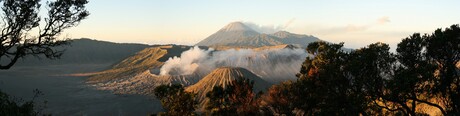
(371, 80)
(443, 48)
(10, 106)
(236, 99)
(408, 87)
(335, 82)
(21, 16)
(279, 100)
(175, 100)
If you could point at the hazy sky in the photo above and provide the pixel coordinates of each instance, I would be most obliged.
(355, 22)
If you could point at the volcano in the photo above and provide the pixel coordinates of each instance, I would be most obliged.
(237, 34)
(222, 77)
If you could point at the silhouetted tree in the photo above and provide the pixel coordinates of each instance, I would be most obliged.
(428, 72)
(374, 81)
(368, 70)
(443, 48)
(175, 100)
(237, 98)
(11, 106)
(323, 89)
(219, 104)
(335, 82)
(20, 17)
(410, 84)
(278, 100)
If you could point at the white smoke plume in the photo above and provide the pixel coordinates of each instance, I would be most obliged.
(273, 65)
(186, 65)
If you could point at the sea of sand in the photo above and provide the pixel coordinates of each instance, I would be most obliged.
(68, 94)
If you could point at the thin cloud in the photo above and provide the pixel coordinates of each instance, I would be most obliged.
(356, 28)
(263, 28)
(289, 23)
(353, 28)
(383, 20)
(268, 29)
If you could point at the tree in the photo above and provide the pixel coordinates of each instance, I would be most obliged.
(368, 70)
(11, 106)
(428, 72)
(323, 87)
(374, 81)
(21, 17)
(175, 100)
(278, 100)
(237, 98)
(410, 86)
(219, 104)
(443, 48)
(335, 82)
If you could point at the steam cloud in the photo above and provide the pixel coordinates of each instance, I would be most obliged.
(271, 64)
(269, 29)
(186, 65)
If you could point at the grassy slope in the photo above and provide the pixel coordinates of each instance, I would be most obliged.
(143, 60)
(146, 59)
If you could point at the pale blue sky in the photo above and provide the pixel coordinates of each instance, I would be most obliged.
(355, 22)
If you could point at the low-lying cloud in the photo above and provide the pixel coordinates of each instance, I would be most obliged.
(272, 64)
(357, 27)
(383, 20)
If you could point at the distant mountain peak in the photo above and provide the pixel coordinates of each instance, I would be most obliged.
(238, 34)
(236, 26)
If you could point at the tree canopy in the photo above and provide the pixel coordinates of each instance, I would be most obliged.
(372, 80)
(21, 17)
(175, 100)
(236, 99)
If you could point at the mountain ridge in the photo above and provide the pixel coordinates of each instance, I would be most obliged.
(238, 34)
(87, 51)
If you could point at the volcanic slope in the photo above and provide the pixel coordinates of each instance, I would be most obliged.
(222, 77)
(138, 74)
(237, 34)
(144, 60)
